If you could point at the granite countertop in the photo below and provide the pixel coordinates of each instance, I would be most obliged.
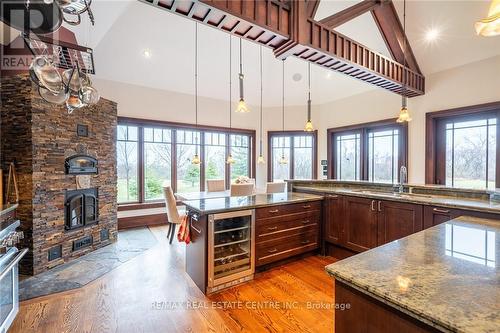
(434, 200)
(227, 204)
(446, 276)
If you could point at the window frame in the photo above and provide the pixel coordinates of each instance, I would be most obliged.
(363, 129)
(435, 149)
(174, 126)
(292, 134)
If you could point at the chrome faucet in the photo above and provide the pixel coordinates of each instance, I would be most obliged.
(403, 175)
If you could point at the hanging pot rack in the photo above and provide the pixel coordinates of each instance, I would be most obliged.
(64, 55)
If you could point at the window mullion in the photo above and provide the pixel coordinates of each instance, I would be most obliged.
(140, 151)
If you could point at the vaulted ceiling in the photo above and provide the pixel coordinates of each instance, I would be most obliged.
(124, 29)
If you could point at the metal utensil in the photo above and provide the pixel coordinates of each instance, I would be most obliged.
(59, 98)
(46, 74)
(89, 95)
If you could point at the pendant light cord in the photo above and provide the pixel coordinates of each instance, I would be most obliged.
(404, 53)
(230, 81)
(309, 79)
(261, 89)
(196, 73)
(241, 59)
(283, 95)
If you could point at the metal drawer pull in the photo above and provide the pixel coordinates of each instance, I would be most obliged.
(274, 211)
(333, 196)
(305, 242)
(273, 250)
(272, 228)
(379, 204)
(437, 210)
(305, 222)
(373, 205)
(306, 206)
(195, 229)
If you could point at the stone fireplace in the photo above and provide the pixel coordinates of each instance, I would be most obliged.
(66, 167)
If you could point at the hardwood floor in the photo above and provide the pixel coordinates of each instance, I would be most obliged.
(152, 293)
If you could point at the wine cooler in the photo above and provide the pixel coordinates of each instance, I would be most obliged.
(231, 249)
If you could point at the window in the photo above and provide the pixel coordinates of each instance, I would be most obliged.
(348, 148)
(299, 149)
(372, 151)
(127, 163)
(157, 161)
(383, 156)
(152, 154)
(188, 174)
(462, 152)
(240, 145)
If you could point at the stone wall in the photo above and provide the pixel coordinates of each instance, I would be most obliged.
(39, 136)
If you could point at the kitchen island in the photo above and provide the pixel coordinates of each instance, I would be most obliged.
(232, 237)
(445, 278)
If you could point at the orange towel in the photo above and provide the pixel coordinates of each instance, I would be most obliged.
(183, 233)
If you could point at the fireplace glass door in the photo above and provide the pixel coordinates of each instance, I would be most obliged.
(81, 208)
(76, 212)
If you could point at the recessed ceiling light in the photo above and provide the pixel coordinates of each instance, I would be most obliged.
(329, 75)
(432, 34)
(146, 53)
(297, 77)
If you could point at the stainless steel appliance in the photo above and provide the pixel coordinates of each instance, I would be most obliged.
(231, 249)
(9, 279)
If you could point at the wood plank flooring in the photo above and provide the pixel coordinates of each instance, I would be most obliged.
(152, 293)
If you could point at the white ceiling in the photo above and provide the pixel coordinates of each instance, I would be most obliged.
(124, 28)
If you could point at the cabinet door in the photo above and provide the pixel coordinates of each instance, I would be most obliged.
(397, 220)
(360, 224)
(333, 216)
(437, 215)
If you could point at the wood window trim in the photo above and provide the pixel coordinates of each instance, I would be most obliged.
(141, 123)
(292, 133)
(363, 129)
(431, 136)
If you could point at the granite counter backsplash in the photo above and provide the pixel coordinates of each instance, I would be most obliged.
(446, 276)
(227, 204)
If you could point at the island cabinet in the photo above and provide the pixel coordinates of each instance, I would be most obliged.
(437, 215)
(333, 217)
(360, 224)
(285, 231)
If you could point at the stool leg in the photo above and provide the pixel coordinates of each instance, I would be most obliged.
(169, 229)
(173, 232)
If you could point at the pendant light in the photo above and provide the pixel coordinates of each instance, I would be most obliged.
(260, 160)
(309, 126)
(242, 106)
(404, 115)
(196, 158)
(230, 159)
(490, 26)
(283, 159)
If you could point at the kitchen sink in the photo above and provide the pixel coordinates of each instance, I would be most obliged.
(394, 194)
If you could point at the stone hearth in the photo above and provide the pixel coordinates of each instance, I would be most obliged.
(38, 137)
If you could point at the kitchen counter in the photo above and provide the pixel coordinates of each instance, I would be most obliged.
(229, 204)
(469, 203)
(446, 276)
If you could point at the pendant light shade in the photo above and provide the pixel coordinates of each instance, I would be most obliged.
(230, 160)
(309, 126)
(196, 158)
(404, 114)
(260, 159)
(242, 106)
(283, 159)
(490, 26)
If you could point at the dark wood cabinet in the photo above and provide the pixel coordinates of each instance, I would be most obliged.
(360, 224)
(397, 220)
(286, 230)
(437, 215)
(333, 219)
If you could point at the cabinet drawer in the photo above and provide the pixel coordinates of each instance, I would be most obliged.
(287, 209)
(285, 247)
(273, 228)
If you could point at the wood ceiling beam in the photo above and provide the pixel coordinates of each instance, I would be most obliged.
(350, 13)
(390, 27)
(312, 7)
(287, 28)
